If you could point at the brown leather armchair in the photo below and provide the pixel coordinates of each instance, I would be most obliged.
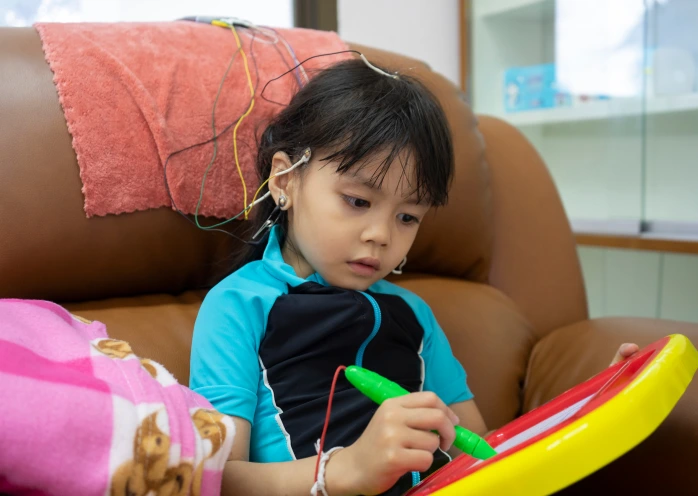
(498, 265)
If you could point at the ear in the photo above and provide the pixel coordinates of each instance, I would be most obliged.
(284, 184)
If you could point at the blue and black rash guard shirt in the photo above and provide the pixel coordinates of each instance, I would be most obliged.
(267, 343)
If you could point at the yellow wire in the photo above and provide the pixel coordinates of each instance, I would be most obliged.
(265, 182)
(249, 207)
(260, 189)
(249, 110)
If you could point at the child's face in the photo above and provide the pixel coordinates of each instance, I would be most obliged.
(349, 232)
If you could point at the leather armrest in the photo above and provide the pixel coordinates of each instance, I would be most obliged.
(662, 464)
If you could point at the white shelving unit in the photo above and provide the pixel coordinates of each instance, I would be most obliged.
(603, 109)
(626, 168)
(612, 160)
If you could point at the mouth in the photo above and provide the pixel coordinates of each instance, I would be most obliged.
(365, 266)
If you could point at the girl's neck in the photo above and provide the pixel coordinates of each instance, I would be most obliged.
(295, 259)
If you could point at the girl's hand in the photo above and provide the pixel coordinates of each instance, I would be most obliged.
(625, 351)
(396, 441)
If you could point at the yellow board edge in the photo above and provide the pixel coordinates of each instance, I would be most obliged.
(596, 439)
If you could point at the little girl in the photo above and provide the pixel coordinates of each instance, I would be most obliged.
(354, 163)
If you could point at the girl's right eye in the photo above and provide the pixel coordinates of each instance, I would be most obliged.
(356, 202)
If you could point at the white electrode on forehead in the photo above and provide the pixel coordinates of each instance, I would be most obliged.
(379, 71)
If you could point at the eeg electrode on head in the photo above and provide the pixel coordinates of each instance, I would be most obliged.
(276, 213)
(231, 23)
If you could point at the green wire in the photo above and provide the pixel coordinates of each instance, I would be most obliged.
(215, 151)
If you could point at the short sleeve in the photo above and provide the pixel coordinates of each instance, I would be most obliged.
(224, 365)
(443, 373)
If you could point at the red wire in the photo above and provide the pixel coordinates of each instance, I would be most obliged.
(327, 419)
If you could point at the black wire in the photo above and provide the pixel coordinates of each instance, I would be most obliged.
(227, 128)
(261, 95)
(291, 53)
(281, 56)
(214, 138)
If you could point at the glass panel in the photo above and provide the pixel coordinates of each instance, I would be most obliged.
(607, 91)
(671, 205)
(569, 75)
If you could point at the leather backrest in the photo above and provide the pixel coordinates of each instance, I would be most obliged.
(504, 226)
(50, 250)
(534, 255)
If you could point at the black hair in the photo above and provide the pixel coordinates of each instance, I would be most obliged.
(353, 112)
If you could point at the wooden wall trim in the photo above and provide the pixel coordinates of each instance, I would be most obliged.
(638, 243)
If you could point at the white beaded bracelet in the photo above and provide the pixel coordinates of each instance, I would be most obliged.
(319, 486)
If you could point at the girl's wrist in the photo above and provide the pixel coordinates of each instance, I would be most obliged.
(342, 478)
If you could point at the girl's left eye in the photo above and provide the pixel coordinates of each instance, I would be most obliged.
(357, 202)
(408, 219)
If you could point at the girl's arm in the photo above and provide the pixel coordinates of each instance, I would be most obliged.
(288, 478)
(399, 439)
(470, 418)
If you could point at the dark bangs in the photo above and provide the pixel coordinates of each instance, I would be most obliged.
(354, 112)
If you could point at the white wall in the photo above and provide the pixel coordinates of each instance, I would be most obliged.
(423, 29)
(640, 283)
(266, 12)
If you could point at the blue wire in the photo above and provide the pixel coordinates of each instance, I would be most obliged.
(293, 56)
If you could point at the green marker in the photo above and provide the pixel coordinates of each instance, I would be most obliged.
(379, 389)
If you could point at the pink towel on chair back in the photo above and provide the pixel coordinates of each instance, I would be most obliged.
(133, 93)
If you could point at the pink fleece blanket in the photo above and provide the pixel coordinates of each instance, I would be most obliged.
(82, 415)
(133, 93)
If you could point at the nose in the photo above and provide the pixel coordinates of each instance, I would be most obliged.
(378, 230)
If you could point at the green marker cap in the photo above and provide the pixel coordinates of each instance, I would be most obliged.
(472, 444)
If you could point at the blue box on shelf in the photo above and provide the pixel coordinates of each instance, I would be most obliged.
(533, 87)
